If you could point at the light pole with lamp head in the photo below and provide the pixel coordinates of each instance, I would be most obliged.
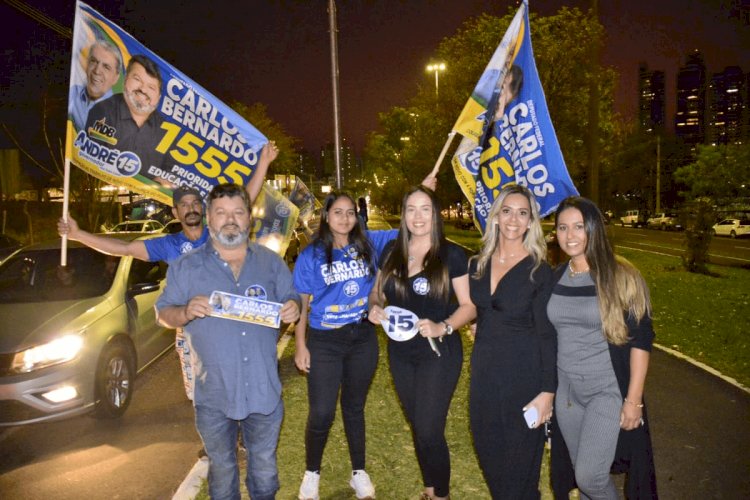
(436, 68)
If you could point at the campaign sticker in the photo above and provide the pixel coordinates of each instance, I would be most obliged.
(240, 308)
(401, 324)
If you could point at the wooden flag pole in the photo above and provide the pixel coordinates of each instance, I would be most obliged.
(66, 197)
(448, 142)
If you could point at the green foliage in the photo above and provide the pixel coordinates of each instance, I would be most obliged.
(718, 172)
(697, 218)
(562, 43)
(257, 114)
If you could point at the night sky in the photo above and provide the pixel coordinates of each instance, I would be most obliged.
(277, 52)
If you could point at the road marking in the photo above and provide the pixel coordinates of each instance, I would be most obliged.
(681, 251)
(702, 366)
(647, 251)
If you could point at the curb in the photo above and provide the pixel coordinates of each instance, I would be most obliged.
(191, 485)
(703, 367)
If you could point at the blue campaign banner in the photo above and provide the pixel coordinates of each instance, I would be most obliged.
(136, 121)
(517, 142)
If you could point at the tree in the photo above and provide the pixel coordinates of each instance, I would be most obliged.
(721, 173)
(257, 114)
(562, 45)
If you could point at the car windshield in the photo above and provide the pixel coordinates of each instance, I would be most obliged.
(36, 276)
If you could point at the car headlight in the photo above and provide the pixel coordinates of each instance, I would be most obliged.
(52, 353)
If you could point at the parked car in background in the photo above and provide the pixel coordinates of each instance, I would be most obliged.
(733, 228)
(665, 221)
(138, 226)
(8, 245)
(73, 338)
(634, 218)
(172, 227)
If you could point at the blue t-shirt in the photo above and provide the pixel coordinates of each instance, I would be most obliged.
(339, 294)
(167, 248)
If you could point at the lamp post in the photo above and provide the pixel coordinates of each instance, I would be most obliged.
(436, 68)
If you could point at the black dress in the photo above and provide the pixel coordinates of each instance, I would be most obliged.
(514, 359)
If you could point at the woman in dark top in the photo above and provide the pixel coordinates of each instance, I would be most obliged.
(513, 362)
(362, 212)
(600, 308)
(427, 275)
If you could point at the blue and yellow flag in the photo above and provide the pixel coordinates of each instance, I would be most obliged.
(136, 121)
(507, 133)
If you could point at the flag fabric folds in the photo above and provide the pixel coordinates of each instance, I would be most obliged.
(507, 133)
(136, 121)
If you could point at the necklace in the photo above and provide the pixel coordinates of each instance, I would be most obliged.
(503, 259)
(411, 258)
(572, 272)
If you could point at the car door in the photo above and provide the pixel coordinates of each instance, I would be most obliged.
(145, 283)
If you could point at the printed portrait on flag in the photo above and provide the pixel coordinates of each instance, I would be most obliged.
(507, 134)
(136, 121)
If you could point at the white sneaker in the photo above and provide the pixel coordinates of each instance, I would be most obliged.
(363, 488)
(308, 490)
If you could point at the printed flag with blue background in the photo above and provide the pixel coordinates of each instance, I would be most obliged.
(507, 133)
(179, 134)
(189, 138)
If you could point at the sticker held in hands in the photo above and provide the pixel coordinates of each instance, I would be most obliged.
(401, 324)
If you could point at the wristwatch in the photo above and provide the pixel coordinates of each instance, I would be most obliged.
(448, 328)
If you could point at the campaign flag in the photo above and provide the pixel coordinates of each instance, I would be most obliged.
(136, 121)
(507, 133)
(275, 218)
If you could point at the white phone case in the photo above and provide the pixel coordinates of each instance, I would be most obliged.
(531, 416)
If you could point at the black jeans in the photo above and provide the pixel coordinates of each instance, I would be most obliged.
(345, 359)
(425, 384)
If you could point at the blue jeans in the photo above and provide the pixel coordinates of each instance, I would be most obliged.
(260, 435)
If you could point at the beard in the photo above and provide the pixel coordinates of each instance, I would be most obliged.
(231, 239)
(140, 107)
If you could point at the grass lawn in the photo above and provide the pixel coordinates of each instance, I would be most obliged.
(701, 316)
(391, 461)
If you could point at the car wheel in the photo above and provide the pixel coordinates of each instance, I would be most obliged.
(733, 234)
(115, 374)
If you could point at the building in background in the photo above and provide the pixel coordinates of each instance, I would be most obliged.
(727, 107)
(690, 117)
(652, 104)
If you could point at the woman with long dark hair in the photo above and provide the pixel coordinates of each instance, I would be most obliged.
(513, 362)
(334, 276)
(601, 310)
(426, 275)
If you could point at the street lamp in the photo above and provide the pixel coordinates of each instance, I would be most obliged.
(436, 68)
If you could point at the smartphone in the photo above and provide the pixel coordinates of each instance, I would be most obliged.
(531, 416)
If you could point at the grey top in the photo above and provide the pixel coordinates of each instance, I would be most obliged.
(573, 309)
(234, 363)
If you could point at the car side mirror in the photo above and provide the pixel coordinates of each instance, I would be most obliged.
(141, 288)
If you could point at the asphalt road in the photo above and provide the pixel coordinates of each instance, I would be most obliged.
(144, 455)
(723, 251)
(700, 433)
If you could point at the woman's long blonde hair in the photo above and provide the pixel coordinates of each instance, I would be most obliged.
(620, 287)
(533, 239)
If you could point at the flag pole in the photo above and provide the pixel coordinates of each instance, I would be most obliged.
(66, 197)
(448, 142)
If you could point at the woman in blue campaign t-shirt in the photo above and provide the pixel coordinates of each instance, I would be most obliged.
(334, 276)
